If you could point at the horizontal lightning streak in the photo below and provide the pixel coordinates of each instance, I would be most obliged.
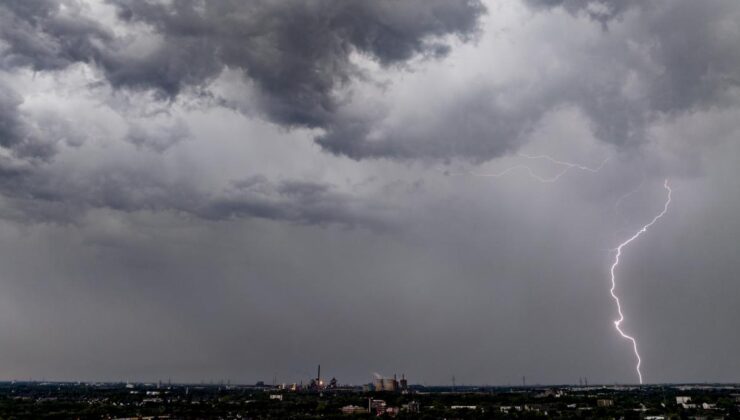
(528, 170)
(567, 166)
(624, 197)
(618, 254)
(563, 163)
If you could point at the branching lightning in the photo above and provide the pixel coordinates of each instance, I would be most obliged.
(618, 322)
(567, 166)
(624, 197)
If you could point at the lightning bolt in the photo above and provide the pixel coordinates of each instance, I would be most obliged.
(624, 197)
(567, 166)
(618, 254)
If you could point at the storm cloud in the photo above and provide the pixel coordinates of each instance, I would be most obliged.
(298, 54)
(649, 62)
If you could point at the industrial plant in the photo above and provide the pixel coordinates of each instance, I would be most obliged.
(381, 384)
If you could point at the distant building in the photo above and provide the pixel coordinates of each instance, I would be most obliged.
(506, 409)
(376, 406)
(353, 409)
(412, 407)
(534, 407)
(316, 383)
(550, 392)
(685, 402)
(392, 411)
(604, 403)
(386, 384)
(278, 397)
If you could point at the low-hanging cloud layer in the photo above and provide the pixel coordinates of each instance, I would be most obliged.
(209, 189)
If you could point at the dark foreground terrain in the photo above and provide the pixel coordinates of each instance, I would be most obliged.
(81, 400)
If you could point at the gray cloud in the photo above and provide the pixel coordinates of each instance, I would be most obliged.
(295, 201)
(699, 64)
(48, 35)
(298, 53)
(39, 195)
(29, 139)
(158, 138)
(298, 57)
(692, 67)
(11, 128)
(601, 10)
(638, 71)
(481, 124)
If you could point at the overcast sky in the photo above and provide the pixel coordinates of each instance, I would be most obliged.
(240, 190)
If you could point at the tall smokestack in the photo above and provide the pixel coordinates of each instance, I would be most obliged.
(318, 376)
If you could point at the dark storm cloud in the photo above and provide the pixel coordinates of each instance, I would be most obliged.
(681, 55)
(295, 201)
(601, 10)
(11, 127)
(35, 191)
(48, 34)
(696, 46)
(298, 56)
(486, 122)
(158, 138)
(29, 140)
(33, 34)
(693, 46)
(39, 195)
(298, 53)
(670, 58)
(479, 124)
